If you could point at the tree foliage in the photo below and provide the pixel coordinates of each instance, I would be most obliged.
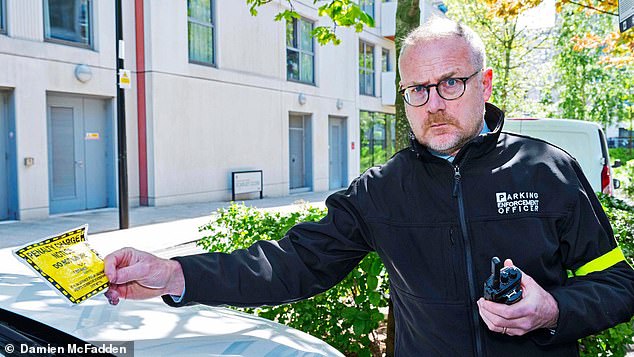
(589, 89)
(510, 47)
(344, 13)
(617, 47)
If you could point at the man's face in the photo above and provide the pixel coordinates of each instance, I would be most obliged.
(444, 125)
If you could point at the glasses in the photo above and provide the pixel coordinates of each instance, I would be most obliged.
(417, 95)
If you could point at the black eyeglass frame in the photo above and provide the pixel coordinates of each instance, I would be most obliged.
(429, 86)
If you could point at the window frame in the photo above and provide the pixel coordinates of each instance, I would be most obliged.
(367, 5)
(211, 25)
(384, 121)
(90, 19)
(3, 17)
(385, 60)
(365, 71)
(297, 29)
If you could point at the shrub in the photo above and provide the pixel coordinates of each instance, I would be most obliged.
(614, 341)
(623, 154)
(625, 173)
(344, 316)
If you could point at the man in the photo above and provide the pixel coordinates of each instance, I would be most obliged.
(436, 214)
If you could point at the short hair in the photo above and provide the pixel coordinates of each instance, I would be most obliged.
(440, 28)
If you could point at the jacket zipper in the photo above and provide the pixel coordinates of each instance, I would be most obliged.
(457, 193)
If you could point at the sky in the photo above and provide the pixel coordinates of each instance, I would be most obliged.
(542, 16)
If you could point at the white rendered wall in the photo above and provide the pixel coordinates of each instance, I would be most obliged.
(202, 122)
(33, 68)
(206, 121)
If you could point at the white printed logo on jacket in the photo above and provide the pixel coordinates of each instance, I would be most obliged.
(517, 202)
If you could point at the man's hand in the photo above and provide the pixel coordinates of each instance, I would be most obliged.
(134, 274)
(537, 309)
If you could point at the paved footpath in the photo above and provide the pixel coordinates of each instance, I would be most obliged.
(169, 225)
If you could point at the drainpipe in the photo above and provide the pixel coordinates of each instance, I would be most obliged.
(141, 111)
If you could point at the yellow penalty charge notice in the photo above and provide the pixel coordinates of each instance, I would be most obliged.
(67, 264)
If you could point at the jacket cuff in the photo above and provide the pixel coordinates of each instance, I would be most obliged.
(550, 336)
(185, 298)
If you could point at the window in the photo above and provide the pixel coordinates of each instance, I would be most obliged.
(68, 21)
(3, 10)
(385, 61)
(300, 57)
(367, 6)
(200, 31)
(378, 138)
(366, 68)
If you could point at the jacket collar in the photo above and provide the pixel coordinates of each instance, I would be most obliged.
(478, 146)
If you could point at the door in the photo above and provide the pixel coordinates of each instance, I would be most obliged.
(299, 152)
(79, 147)
(96, 140)
(4, 158)
(67, 180)
(337, 155)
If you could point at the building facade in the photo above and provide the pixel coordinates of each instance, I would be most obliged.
(214, 90)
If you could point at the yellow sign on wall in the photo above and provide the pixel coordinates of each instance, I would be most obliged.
(67, 264)
(125, 80)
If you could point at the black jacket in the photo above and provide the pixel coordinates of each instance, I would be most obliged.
(436, 226)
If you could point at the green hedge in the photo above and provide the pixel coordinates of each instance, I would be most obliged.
(614, 341)
(623, 154)
(347, 316)
(625, 173)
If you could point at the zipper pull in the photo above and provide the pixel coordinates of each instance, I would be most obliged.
(456, 180)
(451, 238)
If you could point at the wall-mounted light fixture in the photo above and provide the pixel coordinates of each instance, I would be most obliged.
(339, 104)
(301, 98)
(29, 161)
(83, 73)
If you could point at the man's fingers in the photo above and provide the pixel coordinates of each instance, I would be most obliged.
(503, 311)
(131, 273)
(497, 323)
(115, 265)
(116, 260)
(112, 295)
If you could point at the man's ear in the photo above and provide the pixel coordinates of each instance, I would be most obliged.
(487, 83)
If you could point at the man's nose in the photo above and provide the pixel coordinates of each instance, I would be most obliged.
(435, 102)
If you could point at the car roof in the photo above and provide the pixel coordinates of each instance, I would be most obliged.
(569, 123)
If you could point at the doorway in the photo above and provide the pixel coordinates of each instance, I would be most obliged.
(81, 168)
(337, 153)
(300, 153)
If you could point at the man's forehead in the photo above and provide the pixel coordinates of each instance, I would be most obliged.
(434, 60)
(428, 48)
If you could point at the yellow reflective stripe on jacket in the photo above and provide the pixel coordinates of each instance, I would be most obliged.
(601, 263)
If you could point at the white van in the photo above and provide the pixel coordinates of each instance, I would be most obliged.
(583, 140)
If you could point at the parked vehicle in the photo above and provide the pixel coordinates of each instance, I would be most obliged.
(585, 141)
(32, 314)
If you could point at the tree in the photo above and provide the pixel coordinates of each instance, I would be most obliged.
(510, 48)
(618, 48)
(342, 12)
(407, 19)
(593, 85)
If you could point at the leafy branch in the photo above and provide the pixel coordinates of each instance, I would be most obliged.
(342, 13)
